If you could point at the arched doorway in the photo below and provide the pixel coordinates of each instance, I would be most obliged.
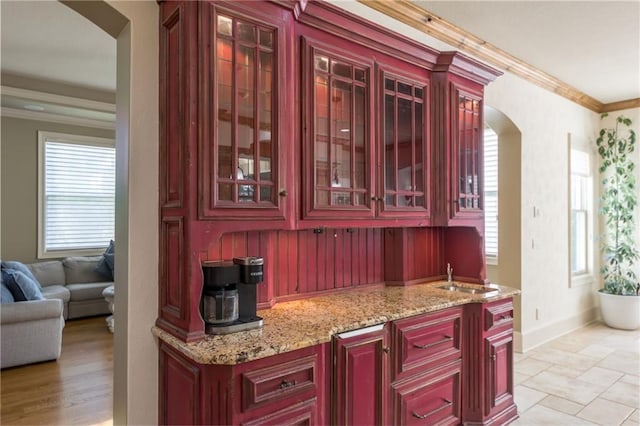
(507, 269)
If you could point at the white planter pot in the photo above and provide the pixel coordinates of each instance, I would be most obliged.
(621, 312)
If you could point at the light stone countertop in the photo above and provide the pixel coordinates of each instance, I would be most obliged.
(302, 323)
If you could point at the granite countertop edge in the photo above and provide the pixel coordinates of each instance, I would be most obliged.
(298, 324)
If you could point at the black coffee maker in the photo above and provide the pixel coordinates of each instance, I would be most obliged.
(229, 294)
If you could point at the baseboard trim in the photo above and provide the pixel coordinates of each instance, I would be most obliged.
(525, 341)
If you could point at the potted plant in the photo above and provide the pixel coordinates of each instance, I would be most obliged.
(620, 295)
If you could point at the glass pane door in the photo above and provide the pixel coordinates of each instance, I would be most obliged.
(340, 127)
(468, 153)
(245, 142)
(404, 144)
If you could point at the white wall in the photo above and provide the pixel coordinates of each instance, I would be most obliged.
(549, 306)
(136, 352)
(135, 27)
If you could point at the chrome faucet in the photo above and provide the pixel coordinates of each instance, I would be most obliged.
(449, 273)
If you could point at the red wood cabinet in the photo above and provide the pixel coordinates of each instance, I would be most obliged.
(427, 360)
(466, 184)
(245, 101)
(412, 376)
(361, 377)
(426, 341)
(458, 124)
(366, 134)
(279, 390)
(338, 90)
(488, 364)
(499, 392)
(290, 115)
(446, 367)
(429, 398)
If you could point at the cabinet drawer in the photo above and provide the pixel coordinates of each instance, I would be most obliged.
(303, 413)
(498, 314)
(429, 399)
(423, 341)
(280, 381)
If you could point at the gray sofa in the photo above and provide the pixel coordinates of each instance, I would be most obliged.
(31, 331)
(74, 281)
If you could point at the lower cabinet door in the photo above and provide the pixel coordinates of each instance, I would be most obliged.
(499, 364)
(360, 378)
(301, 414)
(432, 398)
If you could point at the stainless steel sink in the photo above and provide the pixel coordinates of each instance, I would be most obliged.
(481, 290)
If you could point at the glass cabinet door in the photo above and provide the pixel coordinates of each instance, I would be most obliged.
(340, 130)
(404, 145)
(467, 152)
(244, 103)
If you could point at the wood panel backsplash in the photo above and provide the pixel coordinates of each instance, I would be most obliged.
(310, 261)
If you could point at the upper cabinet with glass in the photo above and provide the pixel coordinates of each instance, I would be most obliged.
(404, 154)
(366, 135)
(339, 131)
(466, 153)
(243, 159)
(458, 138)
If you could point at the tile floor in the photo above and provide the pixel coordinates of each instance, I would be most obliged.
(590, 376)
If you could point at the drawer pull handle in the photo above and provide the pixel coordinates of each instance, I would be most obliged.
(447, 404)
(287, 384)
(430, 345)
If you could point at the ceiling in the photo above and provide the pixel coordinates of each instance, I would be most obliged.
(593, 46)
(47, 40)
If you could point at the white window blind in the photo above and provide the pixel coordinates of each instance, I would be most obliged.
(77, 194)
(491, 193)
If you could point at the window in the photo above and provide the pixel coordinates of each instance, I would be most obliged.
(76, 193)
(581, 212)
(491, 195)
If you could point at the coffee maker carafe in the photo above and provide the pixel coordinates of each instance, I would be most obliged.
(229, 295)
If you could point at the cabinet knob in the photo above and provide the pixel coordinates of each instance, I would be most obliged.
(385, 349)
(282, 193)
(493, 357)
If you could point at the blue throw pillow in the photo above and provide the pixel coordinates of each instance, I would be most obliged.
(21, 286)
(5, 294)
(19, 266)
(105, 265)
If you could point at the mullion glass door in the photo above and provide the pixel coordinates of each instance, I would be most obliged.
(403, 145)
(340, 130)
(245, 150)
(468, 147)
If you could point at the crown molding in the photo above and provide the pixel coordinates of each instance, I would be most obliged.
(52, 98)
(61, 100)
(618, 106)
(429, 23)
(56, 118)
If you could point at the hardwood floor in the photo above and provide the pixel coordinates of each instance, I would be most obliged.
(77, 389)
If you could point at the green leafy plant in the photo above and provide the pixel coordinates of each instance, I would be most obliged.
(617, 203)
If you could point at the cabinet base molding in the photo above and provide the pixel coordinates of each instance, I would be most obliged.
(506, 416)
